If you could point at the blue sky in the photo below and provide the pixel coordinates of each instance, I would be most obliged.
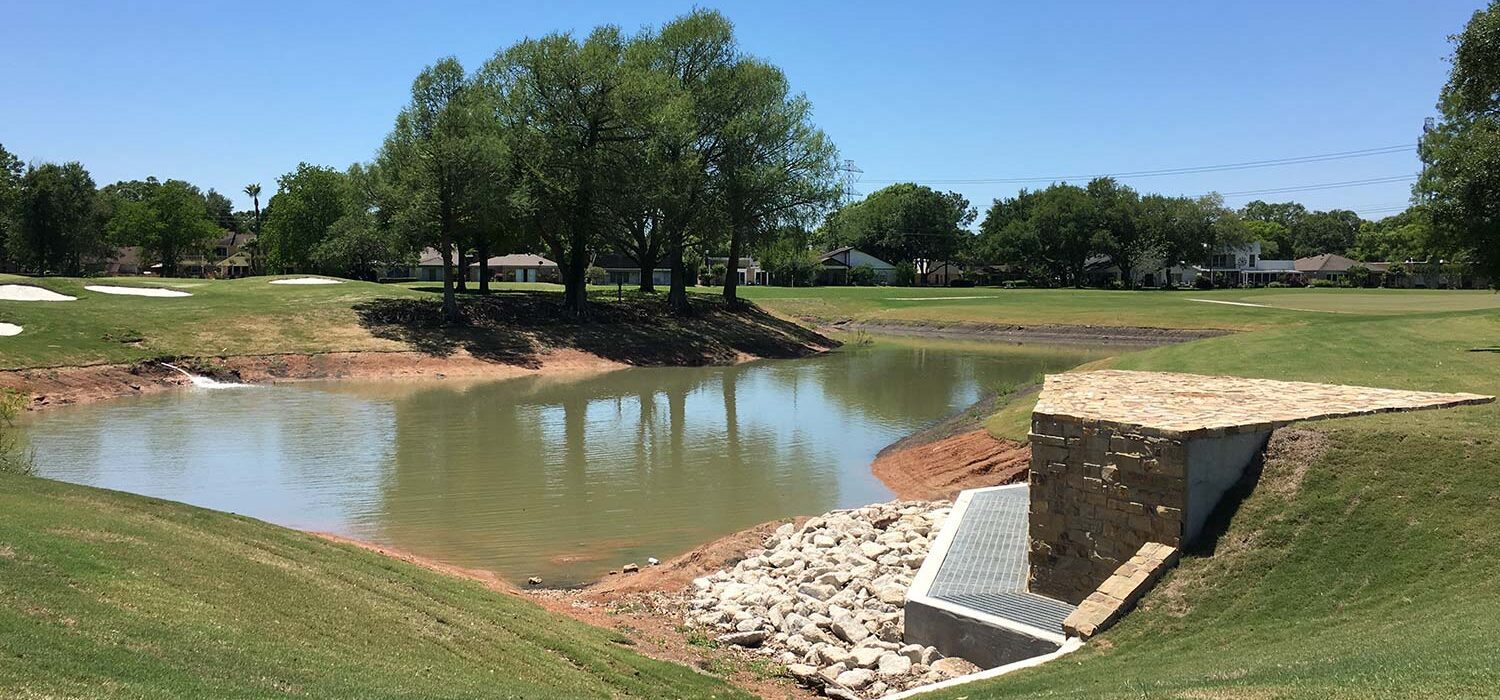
(223, 94)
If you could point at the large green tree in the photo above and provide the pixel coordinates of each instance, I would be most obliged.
(307, 202)
(905, 222)
(1461, 182)
(57, 227)
(11, 171)
(773, 166)
(574, 112)
(169, 220)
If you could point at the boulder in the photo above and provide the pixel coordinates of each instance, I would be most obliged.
(855, 679)
(750, 639)
(892, 664)
(953, 666)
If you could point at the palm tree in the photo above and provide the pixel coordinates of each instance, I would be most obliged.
(253, 190)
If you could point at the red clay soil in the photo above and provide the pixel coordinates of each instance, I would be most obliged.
(60, 386)
(942, 468)
(676, 574)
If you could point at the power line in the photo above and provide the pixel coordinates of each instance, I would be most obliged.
(1322, 186)
(1188, 170)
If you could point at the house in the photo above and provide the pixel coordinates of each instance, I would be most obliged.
(516, 267)
(124, 261)
(519, 267)
(234, 266)
(1328, 266)
(939, 273)
(622, 270)
(748, 271)
(835, 265)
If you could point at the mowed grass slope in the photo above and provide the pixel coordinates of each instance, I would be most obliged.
(104, 594)
(242, 317)
(1371, 573)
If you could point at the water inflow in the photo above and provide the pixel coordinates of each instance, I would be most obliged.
(202, 382)
(563, 477)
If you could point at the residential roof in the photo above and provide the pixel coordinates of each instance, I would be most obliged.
(1327, 262)
(832, 256)
(518, 260)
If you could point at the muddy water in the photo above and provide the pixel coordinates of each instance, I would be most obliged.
(563, 477)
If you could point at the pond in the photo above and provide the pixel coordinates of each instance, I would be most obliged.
(564, 476)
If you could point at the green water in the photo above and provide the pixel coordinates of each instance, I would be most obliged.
(558, 477)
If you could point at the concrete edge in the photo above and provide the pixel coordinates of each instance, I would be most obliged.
(1068, 647)
(917, 592)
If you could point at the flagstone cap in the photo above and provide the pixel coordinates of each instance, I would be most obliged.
(1193, 405)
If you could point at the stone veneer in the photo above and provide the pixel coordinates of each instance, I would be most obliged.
(1120, 459)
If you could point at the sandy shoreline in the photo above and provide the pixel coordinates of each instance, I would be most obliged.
(47, 387)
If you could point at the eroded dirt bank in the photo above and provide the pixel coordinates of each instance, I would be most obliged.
(940, 469)
(61, 386)
(1051, 334)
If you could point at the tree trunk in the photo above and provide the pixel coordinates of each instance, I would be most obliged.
(677, 298)
(648, 268)
(483, 248)
(450, 302)
(462, 270)
(575, 281)
(731, 267)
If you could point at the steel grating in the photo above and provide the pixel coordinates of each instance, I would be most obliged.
(985, 567)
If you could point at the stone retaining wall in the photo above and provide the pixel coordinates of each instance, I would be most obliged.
(1097, 494)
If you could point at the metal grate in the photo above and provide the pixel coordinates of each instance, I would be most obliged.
(985, 568)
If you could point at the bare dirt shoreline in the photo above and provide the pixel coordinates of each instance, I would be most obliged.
(1050, 334)
(47, 387)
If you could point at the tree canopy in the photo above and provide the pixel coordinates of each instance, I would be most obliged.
(169, 220)
(905, 222)
(1461, 182)
(56, 220)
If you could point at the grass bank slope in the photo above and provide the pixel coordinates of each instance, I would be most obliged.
(516, 325)
(1363, 563)
(104, 594)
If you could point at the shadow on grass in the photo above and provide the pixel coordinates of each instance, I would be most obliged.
(519, 327)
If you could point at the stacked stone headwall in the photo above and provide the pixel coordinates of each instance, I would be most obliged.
(1098, 493)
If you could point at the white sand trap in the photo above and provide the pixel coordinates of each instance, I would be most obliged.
(1232, 303)
(9, 329)
(135, 291)
(26, 292)
(931, 298)
(307, 280)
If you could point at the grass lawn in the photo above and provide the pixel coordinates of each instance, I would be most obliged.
(243, 317)
(1373, 579)
(104, 594)
(1176, 309)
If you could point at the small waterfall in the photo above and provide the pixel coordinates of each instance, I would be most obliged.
(204, 382)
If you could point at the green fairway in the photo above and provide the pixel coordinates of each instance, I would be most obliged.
(104, 594)
(1156, 309)
(1374, 579)
(243, 317)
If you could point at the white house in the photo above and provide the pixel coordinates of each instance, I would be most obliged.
(836, 264)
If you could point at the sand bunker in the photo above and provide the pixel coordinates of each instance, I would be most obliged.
(135, 291)
(26, 292)
(307, 280)
(9, 329)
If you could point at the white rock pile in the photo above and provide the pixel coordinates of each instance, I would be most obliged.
(826, 600)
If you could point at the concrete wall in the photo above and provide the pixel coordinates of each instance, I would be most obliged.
(985, 644)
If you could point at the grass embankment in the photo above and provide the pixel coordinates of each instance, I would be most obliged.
(104, 594)
(1368, 572)
(515, 325)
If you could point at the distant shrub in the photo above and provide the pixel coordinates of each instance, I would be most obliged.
(1321, 283)
(12, 459)
(960, 283)
(596, 274)
(863, 276)
(1275, 285)
(1203, 283)
(905, 275)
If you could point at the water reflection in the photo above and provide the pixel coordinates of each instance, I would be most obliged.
(561, 477)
